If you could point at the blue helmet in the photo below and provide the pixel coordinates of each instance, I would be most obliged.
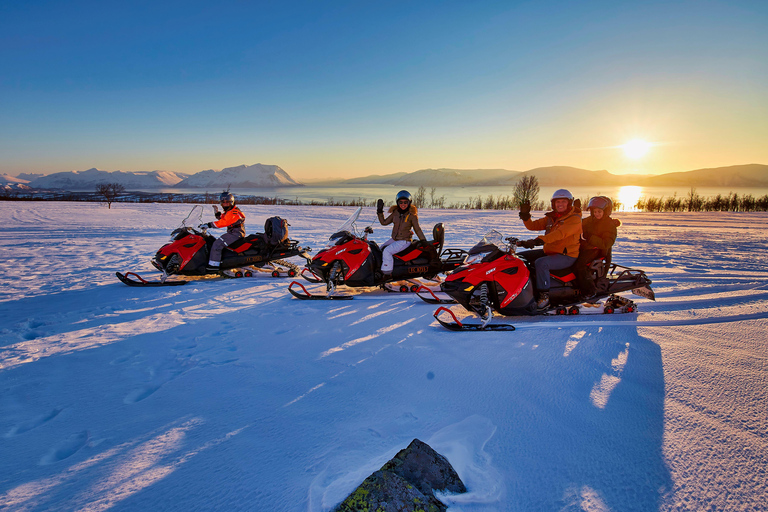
(403, 194)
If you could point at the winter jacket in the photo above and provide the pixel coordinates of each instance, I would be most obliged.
(599, 234)
(232, 219)
(562, 232)
(403, 222)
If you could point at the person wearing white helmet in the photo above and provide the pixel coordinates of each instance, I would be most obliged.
(404, 217)
(232, 219)
(562, 231)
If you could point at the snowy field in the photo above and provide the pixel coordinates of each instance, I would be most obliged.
(232, 395)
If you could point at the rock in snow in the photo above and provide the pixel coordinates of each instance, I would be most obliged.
(406, 483)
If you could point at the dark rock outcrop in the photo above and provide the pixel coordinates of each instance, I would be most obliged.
(406, 483)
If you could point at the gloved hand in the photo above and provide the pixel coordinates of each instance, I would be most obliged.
(380, 206)
(207, 225)
(530, 244)
(423, 244)
(577, 203)
(525, 211)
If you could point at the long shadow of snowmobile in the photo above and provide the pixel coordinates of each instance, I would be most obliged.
(187, 255)
(350, 259)
(495, 278)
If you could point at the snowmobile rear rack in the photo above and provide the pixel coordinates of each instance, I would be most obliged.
(140, 281)
(434, 299)
(456, 325)
(308, 296)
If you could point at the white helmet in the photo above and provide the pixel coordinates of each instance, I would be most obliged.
(562, 194)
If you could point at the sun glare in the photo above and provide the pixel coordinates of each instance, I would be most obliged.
(636, 148)
(628, 197)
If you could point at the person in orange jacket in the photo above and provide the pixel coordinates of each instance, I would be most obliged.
(562, 231)
(232, 219)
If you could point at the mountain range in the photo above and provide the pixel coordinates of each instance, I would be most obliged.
(270, 176)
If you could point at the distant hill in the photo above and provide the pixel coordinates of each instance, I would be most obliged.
(87, 180)
(243, 176)
(750, 175)
(742, 176)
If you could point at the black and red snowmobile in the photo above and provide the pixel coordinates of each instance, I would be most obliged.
(495, 278)
(352, 260)
(186, 254)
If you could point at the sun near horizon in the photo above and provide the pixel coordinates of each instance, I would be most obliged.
(636, 148)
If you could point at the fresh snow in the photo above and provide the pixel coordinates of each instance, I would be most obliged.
(232, 395)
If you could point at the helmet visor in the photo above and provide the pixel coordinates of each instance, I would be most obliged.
(598, 202)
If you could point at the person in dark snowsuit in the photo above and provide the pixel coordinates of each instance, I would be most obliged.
(560, 240)
(598, 236)
(404, 217)
(232, 219)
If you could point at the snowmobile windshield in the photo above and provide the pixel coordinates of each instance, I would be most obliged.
(348, 228)
(488, 248)
(492, 239)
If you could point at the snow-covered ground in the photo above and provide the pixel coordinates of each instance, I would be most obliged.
(232, 395)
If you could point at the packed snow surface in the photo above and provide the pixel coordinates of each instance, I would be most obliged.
(233, 395)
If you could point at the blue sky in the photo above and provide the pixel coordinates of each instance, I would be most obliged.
(352, 88)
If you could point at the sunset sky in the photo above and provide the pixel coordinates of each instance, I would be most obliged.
(345, 88)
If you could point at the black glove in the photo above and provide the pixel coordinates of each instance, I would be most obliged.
(380, 206)
(217, 214)
(577, 203)
(525, 211)
(207, 225)
(423, 244)
(530, 244)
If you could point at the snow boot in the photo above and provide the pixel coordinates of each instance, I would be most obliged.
(543, 301)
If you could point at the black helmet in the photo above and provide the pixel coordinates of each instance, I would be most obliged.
(227, 197)
(562, 194)
(602, 202)
(403, 194)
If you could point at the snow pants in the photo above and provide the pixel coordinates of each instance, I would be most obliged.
(543, 263)
(389, 248)
(219, 245)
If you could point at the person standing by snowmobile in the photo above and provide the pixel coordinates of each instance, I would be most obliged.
(598, 236)
(562, 231)
(232, 219)
(405, 217)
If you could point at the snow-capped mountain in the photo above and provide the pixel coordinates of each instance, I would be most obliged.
(7, 179)
(86, 180)
(8, 182)
(242, 176)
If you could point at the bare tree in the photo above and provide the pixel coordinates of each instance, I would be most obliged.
(109, 192)
(526, 189)
(421, 198)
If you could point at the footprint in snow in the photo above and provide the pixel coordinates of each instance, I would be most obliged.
(26, 426)
(66, 448)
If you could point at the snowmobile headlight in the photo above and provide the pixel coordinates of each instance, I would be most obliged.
(476, 258)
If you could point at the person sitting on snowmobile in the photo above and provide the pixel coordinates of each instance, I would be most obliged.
(232, 219)
(560, 240)
(404, 216)
(598, 236)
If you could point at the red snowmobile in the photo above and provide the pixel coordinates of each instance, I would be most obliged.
(353, 260)
(494, 278)
(187, 255)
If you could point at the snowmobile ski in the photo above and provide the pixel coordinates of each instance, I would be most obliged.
(140, 281)
(456, 325)
(308, 296)
(434, 299)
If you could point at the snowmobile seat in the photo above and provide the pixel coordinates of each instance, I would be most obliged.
(245, 243)
(564, 275)
(413, 251)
